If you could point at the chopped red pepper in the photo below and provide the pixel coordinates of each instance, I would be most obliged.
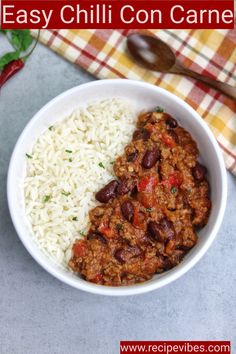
(79, 248)
(168, 140)
(147, 183)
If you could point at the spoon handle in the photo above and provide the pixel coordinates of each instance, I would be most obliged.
(218, 85)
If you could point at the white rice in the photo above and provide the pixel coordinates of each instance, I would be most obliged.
(59, 185)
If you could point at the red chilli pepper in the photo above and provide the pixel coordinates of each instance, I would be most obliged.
(10, 70)
(15, 65)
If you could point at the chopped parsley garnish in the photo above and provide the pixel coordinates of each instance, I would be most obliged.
(112, 162)
(149, 209)
(70, 160)
(159, 109)
(119, 227)
(29, 156)
(74, 218)
(65, 193)
(173, 190)
(82, 233)
(68, 151)
(101, 165)
(51, 127)
(46, 198)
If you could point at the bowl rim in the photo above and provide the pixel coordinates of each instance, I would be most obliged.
(131, 289)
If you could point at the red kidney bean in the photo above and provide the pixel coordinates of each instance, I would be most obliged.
(135, 251)
(141, 134)
(150, 158)
(134, 192)
(127, 210)
(162, 231)
(172, 123)
(184, 248)
(168, 228)
(120, 255)
(107, 192)
(146, 240)
(123, 188)
(199, 172)
(132, 157)
(154, 231)
(166, 263)
(96, 236)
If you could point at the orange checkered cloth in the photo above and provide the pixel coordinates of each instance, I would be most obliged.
(212, 52)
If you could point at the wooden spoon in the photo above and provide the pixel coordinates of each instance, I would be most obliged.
(154, 54)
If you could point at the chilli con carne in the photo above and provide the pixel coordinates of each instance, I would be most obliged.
(149, 215)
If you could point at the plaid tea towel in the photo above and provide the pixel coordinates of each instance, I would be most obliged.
(212, 52)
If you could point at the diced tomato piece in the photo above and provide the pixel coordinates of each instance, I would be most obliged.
(138, 220)
(147, 183)
(107, 231)
(173, 180)
(168, 140)
(146, 199)
(79, 248)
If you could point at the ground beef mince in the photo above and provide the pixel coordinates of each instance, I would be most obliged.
(149, 215)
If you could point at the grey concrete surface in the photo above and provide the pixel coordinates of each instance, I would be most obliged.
(40, 315)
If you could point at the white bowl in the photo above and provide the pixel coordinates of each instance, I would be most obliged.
(144, 96)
